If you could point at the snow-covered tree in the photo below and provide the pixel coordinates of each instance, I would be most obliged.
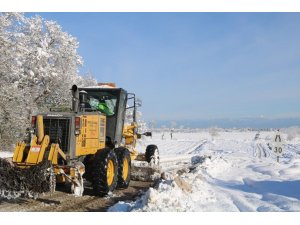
(38, 65)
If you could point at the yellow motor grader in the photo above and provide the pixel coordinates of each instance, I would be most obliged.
(90, 141)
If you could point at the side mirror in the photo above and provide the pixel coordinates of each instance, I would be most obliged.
(138, 102)
(148, 134)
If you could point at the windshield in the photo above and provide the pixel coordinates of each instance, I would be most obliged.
(103, 101)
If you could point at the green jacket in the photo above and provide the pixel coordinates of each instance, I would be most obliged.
(102, 107)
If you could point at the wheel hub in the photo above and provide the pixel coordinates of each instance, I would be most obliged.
(125, 169)
(110, 172)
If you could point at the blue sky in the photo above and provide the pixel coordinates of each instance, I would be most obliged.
(195, 65)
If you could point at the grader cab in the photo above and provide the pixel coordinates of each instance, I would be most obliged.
(91, 141)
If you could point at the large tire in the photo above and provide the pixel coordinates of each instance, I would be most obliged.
(152, 155)
(88, 163)
(105, 172)
(124, 167)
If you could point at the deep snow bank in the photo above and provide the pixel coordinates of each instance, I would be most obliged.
(242, 175)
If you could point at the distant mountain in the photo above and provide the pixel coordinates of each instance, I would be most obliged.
(258, 123)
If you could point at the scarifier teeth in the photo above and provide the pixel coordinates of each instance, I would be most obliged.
(28, 182)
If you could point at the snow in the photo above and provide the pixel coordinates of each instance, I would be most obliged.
(39, 64)
(242, 174)
(4, 154)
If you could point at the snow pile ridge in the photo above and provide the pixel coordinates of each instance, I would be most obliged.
(240, 174)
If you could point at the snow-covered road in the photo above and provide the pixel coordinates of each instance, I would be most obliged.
(241, 175)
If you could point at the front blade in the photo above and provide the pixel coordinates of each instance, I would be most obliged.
(142, 171)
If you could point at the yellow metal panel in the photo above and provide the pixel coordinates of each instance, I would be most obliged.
(33, 151)
(92, 127)
(40, 128)
(92, 134)
(44, 145)
(34, 140)
(129, 134)
(36, 151)
(93, 143)
(33, 154)
(19, 151)
(102, 145)
(53, 154)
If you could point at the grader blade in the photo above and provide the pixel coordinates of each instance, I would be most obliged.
(25, 182)
(142, 171)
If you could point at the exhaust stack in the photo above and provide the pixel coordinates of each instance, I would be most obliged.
(75, 98)
(40, 129)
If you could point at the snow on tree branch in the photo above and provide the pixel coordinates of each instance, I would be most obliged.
(38, 65)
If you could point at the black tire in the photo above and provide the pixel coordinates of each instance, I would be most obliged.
(104, 160)
(124, 167)
(150, 153)
(88, 163)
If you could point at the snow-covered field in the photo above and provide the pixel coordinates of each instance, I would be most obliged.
(242, 174)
